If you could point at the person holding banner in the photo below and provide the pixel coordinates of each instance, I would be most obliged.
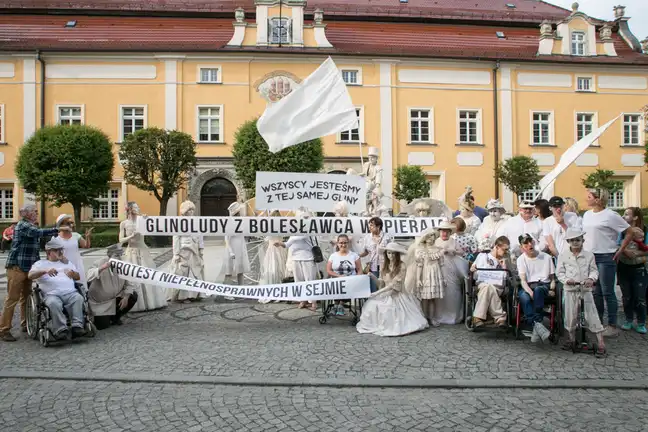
(187, 259)
(491, 285)
(372, 242)
(239, 262)
(393, 310)
(343, 263)
(273, 265)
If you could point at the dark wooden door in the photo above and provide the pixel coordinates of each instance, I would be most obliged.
(216, 196)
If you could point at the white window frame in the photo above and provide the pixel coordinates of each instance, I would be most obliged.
(109, 200)
(358, 72)
(3, 200)
(271, 27)
(532, 193)
(69, 106)
(219, 73)
(220, 124)
(3, 124)
(592, 88)
(552, 129)
(594, 124)
(640, 126)
(571, 46)
(361, 134)
(430, 139)
(121, 118)
(614, 198)
(480, 141)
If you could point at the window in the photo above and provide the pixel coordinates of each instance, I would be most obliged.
(108, 205)
(632, 129)
(279, 30)
(132, 120)
(352, 76)
(578, 43)
(6, 204)
(541, 128)
(531, 194)
(617, 200)
(354, 135)
(421, 125)
(584, 84)
(2, 124)
(469, 127)
(70, 115)
(584, 125)
(209, 75)
(209, 124)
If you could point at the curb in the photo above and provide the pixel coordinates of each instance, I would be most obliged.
(333, 383)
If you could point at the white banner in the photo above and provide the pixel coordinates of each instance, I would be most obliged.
(326, 289)
(316, 192)
(277, 226)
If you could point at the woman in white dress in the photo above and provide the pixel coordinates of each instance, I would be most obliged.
(449, 309)
(273, 265)
(148, 297)
(187, 259)
(486, 234)
(467, 211)
(73, 241)
(238, 263)
(393, 310)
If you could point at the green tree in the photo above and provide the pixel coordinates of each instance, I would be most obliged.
(519, 174)
(251, 154)
(411, 183)
(602, 179)
(66, 164)
(158, 161)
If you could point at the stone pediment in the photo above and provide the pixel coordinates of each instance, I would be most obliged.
(277, 85)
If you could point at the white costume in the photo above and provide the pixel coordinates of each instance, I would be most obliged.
(238, 261)
(71, 250)
(517, 226)
(487, 232)
(372, 172)
(273, 266)
(466, 211)
(187, 258)
(449, 309)
(149, 297)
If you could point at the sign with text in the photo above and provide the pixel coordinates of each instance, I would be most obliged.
(316, 192)
(277, 226)
(344, 288)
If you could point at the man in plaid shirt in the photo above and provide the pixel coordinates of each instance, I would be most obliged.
(23, 254)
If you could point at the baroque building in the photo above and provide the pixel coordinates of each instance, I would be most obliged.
(451, 85)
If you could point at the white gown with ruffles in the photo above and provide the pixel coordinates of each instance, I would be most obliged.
(449, 309)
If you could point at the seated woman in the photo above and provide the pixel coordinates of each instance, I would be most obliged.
(343, 263)
(538, 281)
(490, 285)
(392, 311)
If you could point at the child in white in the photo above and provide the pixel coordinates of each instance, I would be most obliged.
(575, 267)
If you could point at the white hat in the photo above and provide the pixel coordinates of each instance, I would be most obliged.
(494, 204)
(526, 205)
(234, 208)
(445, 225)
(394, 247)
(373, 151)
(61, 218)
(573, 233)
(55, 243)
(186, 206)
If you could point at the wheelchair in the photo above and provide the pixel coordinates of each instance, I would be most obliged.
(470, 298)
(39, 320)
(554, 304)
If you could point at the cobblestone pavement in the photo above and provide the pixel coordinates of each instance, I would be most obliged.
(58, 405)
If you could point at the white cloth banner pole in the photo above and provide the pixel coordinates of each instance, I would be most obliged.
(571, 155)
(321, 106)
(344, 288)
(278, 226)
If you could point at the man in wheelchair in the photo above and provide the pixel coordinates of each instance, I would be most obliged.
(491, 285)
(56, 281)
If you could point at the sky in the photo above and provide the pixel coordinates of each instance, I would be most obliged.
(637, 10)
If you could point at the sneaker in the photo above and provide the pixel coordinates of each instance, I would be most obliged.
(542, 331)
(339, 310)
(641, 328)
(627, 326)
(435, 323)
(611, 332)
(535, 337)
(77, 332)
(7, 337)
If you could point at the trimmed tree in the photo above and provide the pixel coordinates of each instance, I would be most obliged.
(251, 154)
(602, 179)
(519, 174)
(411, 183)
(66, 164)
(158, 161)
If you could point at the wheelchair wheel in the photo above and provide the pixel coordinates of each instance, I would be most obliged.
(44, 337)
(322, 320)
(91, 330)
(32, 318)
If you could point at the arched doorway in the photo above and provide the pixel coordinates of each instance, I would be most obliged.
(215, 196)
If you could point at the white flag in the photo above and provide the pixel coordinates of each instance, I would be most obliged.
(320, 106)
(571, 155)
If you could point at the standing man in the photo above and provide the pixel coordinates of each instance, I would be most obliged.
(23, 254)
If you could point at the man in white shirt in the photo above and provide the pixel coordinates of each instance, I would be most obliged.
(56, 281)
(555, 226)
(490, 285)
(523, 223)
(537, 277)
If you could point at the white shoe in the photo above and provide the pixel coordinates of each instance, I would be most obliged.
(435, 323)
(534, 335)
(611, 332)
(542, 331)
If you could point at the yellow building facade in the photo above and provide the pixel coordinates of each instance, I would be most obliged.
(455, 115)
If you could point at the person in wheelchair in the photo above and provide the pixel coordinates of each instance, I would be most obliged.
(109, 297)
(56, 280)
(489, 289)
(575, 268)
(537, 282)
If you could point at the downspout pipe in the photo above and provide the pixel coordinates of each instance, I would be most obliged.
(496, 126)
(42, 122)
